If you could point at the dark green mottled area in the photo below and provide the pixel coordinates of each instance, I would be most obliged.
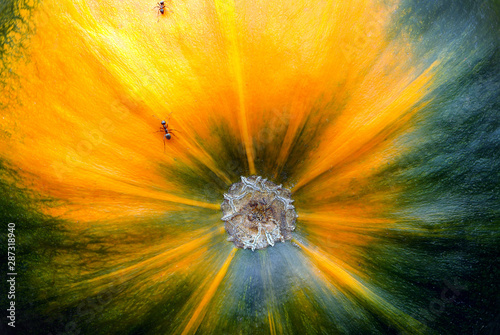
(38, 239)
(448, 217)
(456, 32)
(195, 181)
(305, 141)
(228, 152)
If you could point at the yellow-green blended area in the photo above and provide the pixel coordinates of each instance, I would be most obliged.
(198, 314)
(226, 12)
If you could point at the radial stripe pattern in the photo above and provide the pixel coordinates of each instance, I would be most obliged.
(381, 118)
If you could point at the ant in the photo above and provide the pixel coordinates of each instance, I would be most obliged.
(167, 131)
(161, 7)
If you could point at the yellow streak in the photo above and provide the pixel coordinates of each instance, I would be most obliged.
(227, 17)
(270, 294)
(299, 106)
(346, 281)
(159, 261)
(291, 132)
(271, 323)
(369, 133)
(139, 192)
(180, 200)
(199, 313)
(335, 217)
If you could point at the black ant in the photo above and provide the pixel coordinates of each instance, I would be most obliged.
(168, 132)
(161, 7)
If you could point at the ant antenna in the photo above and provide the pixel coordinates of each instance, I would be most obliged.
(168, 119)
(159, 119)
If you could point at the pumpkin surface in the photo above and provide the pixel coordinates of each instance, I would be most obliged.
(381, 118)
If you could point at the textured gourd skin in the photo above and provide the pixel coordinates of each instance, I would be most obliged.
(381, 118)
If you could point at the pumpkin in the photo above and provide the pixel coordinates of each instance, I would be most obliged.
(353, 147)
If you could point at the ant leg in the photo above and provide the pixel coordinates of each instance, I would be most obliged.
(171, 130)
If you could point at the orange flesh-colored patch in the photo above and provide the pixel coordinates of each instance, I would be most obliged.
(97, 109)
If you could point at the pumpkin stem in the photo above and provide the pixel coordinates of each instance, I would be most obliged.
(257, 213)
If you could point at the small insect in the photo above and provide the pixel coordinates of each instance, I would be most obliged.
(161, 7)
(168, 132)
